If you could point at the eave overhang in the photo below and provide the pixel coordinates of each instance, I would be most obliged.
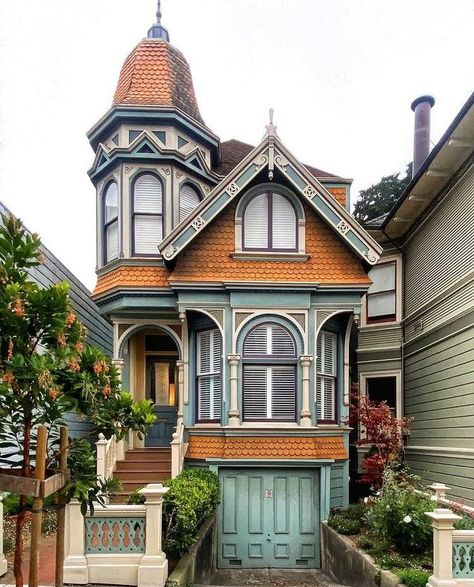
(442, 169)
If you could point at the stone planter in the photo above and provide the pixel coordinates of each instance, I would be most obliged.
(343, 561)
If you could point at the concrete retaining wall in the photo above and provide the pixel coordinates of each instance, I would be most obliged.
(341, 560)
(197, 565)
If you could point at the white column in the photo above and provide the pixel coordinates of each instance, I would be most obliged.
(305, 414)
(153, 566)
(101, 448)
(443, 520)
(3, 560)
(75, 562)
(234, 414)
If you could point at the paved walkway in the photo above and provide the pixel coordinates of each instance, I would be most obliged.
(270, 578)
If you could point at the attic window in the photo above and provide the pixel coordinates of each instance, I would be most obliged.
(269, 224)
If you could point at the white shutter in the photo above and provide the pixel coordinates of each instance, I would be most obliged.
(255, 392)
(326, 366)
(188, 201)
(148, 195)
(256, 223)
(148, 234)
(283, 392)
(111, 203)
(269, 340)
(111, 241)
(255, 344)
(209, 350)
(283, 223)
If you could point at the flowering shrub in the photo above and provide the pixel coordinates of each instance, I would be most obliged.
(398, 517)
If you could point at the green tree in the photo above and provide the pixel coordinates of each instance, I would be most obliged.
(47, 370)
(379, 198)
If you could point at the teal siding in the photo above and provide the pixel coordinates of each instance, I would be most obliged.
(338, 490)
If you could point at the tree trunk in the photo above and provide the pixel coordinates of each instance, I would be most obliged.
(20, 521)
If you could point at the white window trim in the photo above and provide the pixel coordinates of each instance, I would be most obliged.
(363, 377)
(398, 295)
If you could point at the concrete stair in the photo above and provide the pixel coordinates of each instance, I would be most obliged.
(140, 467)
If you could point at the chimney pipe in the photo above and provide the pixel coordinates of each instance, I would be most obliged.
(421, 146)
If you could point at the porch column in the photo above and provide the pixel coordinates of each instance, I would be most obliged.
(234, 414)
(180, 365)
(442, 522)
(305, 414)
(120, 447)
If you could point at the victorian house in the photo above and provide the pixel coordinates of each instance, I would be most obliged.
(232, 275)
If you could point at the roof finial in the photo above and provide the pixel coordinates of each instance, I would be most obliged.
(270, 128)
(157, 31)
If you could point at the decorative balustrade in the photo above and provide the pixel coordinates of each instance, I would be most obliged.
(463, 554)
(117, 544)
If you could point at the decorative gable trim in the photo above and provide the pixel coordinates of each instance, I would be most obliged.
(272, 154)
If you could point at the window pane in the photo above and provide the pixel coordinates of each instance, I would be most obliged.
(111, 241)
(382, 389)
(188, 201)
(148, 195)
(379, 305)
(283, 393)
(283, 223)
(111, 202)
(383, 277)
(255, 392)
(256, 223)
(148, 234)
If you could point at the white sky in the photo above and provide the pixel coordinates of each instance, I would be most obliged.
(340, 74)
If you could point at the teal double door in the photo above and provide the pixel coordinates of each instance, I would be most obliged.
(269, 518)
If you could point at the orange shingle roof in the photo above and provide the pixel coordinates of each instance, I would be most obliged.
(339, 194)
(266, 447)
(157, 74)
(132, 277)
(208, 257)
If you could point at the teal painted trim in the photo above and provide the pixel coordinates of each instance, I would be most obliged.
(463, 557)
(345, 484)
(337, 297)
(268, 299)
(184, 237)
(274, 463)
(116, 117)
(124, 535)
(215, 206)
(246, 175)
(325, 491)
(326, 210)
(227, 347)
(203, 297)
(357, 242)
(123, 302)
(295, 176)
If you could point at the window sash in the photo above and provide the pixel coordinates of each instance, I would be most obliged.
(111, 241)
(147, 233)
(381, 302)
(269, 392)
(208, 368)
(188, 201)
(326, 376)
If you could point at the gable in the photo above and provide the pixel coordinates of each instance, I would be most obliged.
(209, 257)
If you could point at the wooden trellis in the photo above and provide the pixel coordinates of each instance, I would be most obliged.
(39, 487)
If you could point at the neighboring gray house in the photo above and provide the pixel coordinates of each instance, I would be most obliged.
(416, 337)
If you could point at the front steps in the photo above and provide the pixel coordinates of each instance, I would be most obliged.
(140, 467)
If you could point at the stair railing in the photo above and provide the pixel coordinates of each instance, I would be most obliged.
(106, 456)
(178, 448)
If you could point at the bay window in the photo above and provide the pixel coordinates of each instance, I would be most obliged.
(147, 214)
(110, 215)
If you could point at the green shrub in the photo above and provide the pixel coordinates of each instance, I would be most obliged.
(192, 497)
(413, 577)
(466, 523)
(344, 525)
(136, 498)
(11, 504)
(398, 516)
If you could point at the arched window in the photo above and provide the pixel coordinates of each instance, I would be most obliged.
(269, 223)
(326, 365)
(111, 236)
(269, 374)
(188, 201)
(147, 214)
(209, 351)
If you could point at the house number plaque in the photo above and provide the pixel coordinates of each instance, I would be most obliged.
(268, 493)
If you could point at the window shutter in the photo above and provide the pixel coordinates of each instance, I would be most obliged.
(209, 350)
(111, 203)
(148, 195)
(283, 392)
(188, 201)
(283, 223)
(326, 366)
(283, 344)
(111, 241)
(148, 234)
(255, 392)
(269, 340)
(256, 223)
(255, 344)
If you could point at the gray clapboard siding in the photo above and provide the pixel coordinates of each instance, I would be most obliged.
(454, 472)
(374, 337)
(337, 487)
(444, 241)
(99, 331)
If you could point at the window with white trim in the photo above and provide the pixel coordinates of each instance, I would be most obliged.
(147, 214)
(269, 374)
(188, 201)
(269, 224)
(209, 387)
(111, 235)
(382, 295)
(326, 366)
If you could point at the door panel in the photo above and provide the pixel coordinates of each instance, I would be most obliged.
(269, 518)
